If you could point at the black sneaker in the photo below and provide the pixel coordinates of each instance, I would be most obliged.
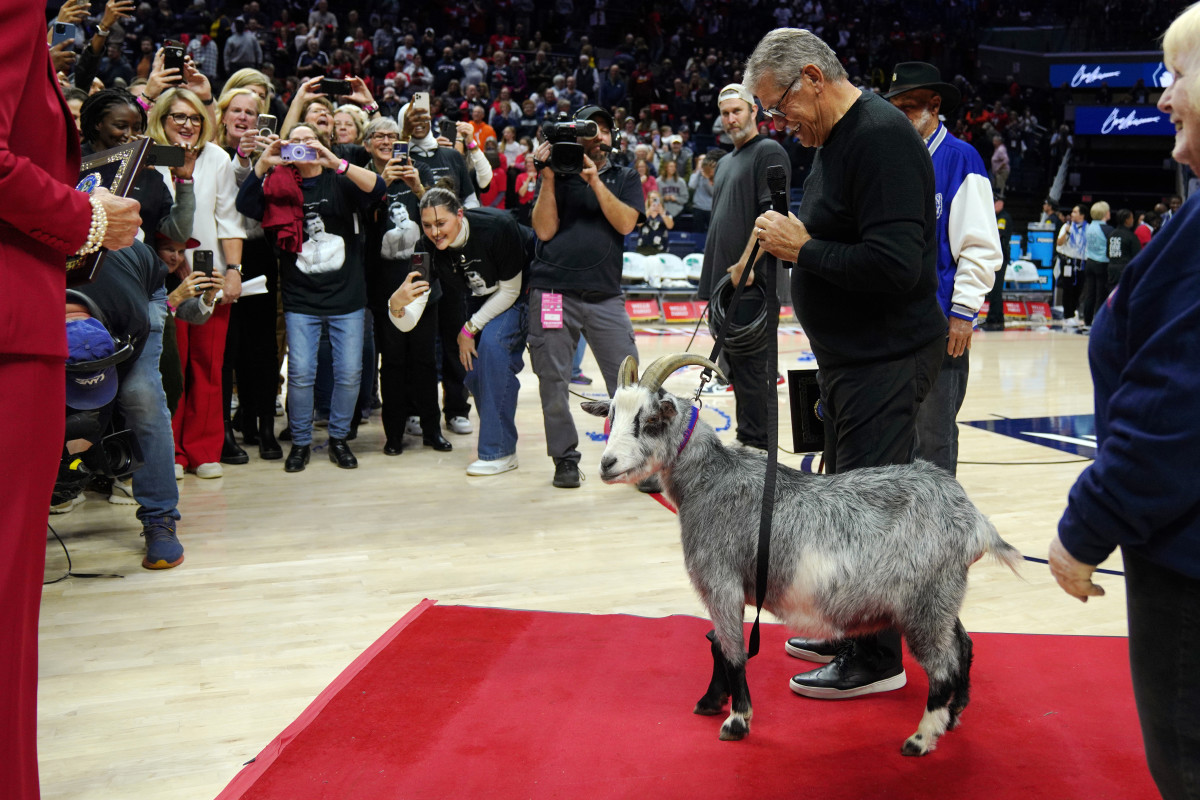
(812, 649)
(846, 676)
(566, 474)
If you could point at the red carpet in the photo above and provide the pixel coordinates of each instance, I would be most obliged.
(459, 702)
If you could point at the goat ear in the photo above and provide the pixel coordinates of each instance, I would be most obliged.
(666, 408)
(597, 408)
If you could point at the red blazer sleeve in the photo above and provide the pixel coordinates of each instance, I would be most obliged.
(42, 218)
(39, 147)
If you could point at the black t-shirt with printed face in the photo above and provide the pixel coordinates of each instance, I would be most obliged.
(393, 235)
(494, 252)
(445, 162)
(327, 277)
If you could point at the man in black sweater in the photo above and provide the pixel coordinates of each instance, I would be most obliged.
(864, 289)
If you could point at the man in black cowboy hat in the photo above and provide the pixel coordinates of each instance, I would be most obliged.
(968, 248)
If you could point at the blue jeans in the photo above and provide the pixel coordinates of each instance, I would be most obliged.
(324, 386)
(937, 423)
(304, 335)
(493, 382)
(144, 403)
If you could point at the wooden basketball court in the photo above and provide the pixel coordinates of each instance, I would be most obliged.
(162, 684)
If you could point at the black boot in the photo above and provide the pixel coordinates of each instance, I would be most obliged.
(339, 453)
(231, 452)
(268, 448)
(297, 458)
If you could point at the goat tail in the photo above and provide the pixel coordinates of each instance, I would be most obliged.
(999, 549)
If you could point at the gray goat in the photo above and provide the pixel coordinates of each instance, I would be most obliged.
(850, 554)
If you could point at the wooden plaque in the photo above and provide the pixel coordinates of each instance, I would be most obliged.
(115, 170)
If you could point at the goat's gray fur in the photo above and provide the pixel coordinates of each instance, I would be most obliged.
(850, 554)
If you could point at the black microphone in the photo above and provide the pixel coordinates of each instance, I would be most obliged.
(777, 184)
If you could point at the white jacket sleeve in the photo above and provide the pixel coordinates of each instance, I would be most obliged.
(974, 243)
(483, 169)
(229, 221)
(412, 314)
(500, 301)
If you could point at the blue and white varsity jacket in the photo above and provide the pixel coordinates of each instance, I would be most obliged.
(968, 240)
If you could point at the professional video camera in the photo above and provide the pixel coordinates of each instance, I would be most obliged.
(563, 133)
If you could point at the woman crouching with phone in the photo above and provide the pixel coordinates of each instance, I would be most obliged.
(480, 258)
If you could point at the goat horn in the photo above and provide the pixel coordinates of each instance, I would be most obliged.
(662, 368)
(627, 375)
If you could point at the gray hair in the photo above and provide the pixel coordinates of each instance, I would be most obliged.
(784, 53)
(380, 125)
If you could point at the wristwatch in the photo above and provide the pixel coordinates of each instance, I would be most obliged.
(471, 328)
(235, 267)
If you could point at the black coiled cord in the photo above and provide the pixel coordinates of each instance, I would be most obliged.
(741, 339)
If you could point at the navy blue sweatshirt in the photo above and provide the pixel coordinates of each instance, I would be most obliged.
(1141, 492)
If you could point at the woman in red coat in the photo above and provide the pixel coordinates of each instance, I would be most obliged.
(43, 220)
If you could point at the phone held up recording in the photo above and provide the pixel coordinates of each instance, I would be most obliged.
(202, 261)
(400, 152)
(173, 58)
(420, 263)
(297, 151)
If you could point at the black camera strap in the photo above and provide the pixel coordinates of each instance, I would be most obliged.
(767, 509)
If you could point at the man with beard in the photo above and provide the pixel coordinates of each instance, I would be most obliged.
(581, 222)
(968, 249)
(740, 194)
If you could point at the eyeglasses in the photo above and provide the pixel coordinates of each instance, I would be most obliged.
(182, 119)
(775, 112)
(387, 137)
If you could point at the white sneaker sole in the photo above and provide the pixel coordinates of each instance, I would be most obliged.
(828, 693)
(119, 498)
(807, 655)
(66, 506)
(484, 468)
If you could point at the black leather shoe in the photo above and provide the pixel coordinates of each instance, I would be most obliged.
(297, 458)
(847, 676)
(231, 453)
(566, 474)
(817, 650)
(437, 442)
(285, 435)
(339, 453)
(391, 448)
(268, 448)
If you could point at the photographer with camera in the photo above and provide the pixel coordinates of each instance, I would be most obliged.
(309, 202)
(585, 208)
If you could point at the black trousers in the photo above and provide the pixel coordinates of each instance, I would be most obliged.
(407, 373)
(1095, 289)
(1164, 657)
(251, 352)
(995, 298)
(753, 379)
(1072, 286)
(871, 421)
(455, 401)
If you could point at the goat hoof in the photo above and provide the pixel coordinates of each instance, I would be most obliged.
(734, 730)
(916, 745)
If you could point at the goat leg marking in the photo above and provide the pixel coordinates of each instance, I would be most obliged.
(718, 688)
(737, 725)
(933, 725)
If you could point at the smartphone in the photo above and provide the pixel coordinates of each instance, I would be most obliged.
(421, 100)
(173, 57)
(202, 261)
(334, 87)
(420, 264)
(267, 124)
(62, 32)
(449, 129)
(295, 151)
(400, 151)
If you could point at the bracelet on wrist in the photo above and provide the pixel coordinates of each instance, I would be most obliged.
(371, 108)
(102, 31)
(207, 102)
(144, 102)
(98, 228)
(342, 167)
(184, 181)
(240, 154)
(466, 332)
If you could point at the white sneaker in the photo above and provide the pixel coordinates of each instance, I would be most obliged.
(460, 425)
(279, 405)
(65, 506)
(179, 472)
(494, 467)
(413, 426)
(121, 493)
(210, 470)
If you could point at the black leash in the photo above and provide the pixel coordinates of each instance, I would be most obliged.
(767, 510)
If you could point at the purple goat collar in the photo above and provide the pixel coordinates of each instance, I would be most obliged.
(687, 437)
